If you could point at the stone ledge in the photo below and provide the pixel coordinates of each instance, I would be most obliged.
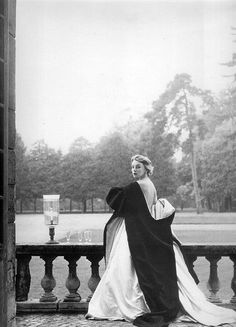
(34, 305)
(81, 307)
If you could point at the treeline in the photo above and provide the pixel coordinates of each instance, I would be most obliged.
(184, 119)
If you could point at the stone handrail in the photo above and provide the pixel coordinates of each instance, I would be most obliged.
(94, 253)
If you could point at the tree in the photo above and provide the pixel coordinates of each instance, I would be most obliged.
(159, 148)
(78, 167)
(22, 171)
(184, 193)
(232, 63)
(113, 168)
(159, 145)
(147, 136)
(217, 147)
(218, 165)
(44, 170)
(178, 107)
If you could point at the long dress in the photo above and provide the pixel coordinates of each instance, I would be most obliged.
(119, 296)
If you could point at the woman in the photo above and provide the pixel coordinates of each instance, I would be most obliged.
(146, 280)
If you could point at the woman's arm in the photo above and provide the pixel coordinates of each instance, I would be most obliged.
(115, 198)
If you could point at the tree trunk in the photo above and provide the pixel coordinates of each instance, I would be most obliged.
(92, 204)
(35, 205)
(218, 203)
(84, 205)
(209, 205)
(228, 203)
(105, 207)
(195, 182)
(70, 205)
(193, 158)
(21, 206)
(182, 204)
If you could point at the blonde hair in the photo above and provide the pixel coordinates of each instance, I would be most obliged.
(145, 161)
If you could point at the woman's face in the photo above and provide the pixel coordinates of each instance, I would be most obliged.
(138, 170)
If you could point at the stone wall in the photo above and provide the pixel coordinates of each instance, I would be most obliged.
(7, 151)
(11, 167)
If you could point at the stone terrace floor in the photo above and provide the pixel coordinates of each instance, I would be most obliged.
(77, 320)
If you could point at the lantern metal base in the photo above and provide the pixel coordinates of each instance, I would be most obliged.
(51, 234)
(52, 242)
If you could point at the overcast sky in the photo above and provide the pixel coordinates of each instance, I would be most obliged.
(81, 66)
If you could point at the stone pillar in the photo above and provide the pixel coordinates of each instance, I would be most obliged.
(72, 281)
(233, 281)
(213, 283)
(23, 277)
(48, 282)
(95, 278)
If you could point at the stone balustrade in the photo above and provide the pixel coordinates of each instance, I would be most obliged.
(94, 253)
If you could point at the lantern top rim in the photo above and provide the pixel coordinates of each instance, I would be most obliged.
(51, 197)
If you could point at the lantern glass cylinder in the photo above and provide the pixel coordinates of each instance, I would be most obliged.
(51, 209)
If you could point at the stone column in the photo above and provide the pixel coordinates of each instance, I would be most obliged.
(95, 278)
(72, 281)
(213, 283)
(233, 281)
(48, 282)
(23, 277)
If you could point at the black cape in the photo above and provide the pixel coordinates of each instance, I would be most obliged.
(151, 247)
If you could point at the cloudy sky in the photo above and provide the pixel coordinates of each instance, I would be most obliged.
(83, 66)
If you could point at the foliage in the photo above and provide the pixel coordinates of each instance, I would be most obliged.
(232, 62)
(175, 111)
(147, 136)
(113, 155)
(45, 173)
(216, 110)
(77, 170)
(184, 192)
(183, 117)
(159, 148)
(218, 165)
(22, 170)
(183, 172)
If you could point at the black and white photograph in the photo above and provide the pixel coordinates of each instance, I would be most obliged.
(117, 163)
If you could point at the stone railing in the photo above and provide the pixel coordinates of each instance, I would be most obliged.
(94, 253)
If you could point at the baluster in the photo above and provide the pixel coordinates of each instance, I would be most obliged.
(72, 281)
(213, 283)
(48, 282)
(233, 281)
(95, 278)
(23, 277)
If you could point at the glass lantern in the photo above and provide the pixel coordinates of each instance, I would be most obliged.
(51, 209)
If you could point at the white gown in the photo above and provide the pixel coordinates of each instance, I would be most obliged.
(118, 295)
